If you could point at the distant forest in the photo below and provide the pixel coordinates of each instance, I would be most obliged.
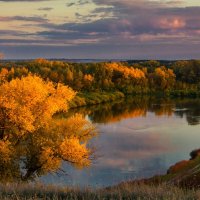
(178, 78)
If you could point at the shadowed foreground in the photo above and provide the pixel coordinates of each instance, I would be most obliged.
(124, 191)
(181, 182)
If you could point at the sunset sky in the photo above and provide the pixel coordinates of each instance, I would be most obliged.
(128, 29)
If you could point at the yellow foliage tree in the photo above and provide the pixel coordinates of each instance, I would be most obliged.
(164, 78)
(30, 130)
(29, 103)
(128, 72)
(88, 77)
(3, 75)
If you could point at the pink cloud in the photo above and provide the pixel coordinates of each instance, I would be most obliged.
(171, 23)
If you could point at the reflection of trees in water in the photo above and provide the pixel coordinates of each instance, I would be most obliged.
(115, 111)
(192, 120)
(190, 108)
(139, 106)
(161, 106)
(120, 110)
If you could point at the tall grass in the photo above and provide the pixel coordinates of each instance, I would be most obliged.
(123, 191)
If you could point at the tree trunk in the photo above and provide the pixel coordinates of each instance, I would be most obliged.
(1, 134)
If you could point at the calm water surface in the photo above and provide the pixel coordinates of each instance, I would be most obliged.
(138, 137)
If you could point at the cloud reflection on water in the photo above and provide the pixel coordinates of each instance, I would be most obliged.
(138, 144)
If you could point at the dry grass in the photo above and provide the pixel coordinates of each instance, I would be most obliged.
(121, 192)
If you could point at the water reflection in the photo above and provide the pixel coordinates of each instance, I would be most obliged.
(140, 106)
(139, 137)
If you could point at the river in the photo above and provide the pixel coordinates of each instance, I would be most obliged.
(139, 137)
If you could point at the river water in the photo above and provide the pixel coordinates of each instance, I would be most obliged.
(138, 137)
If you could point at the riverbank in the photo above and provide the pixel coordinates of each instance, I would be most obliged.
(182, 181)
(94, 98)
(184, 174)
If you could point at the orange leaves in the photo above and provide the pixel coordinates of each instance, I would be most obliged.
(3, 75)
(88, 77)
(179, 166)
(164, 78)
(30, 102)
(165, 73)
(5, 151)
(71, 150)
(160, 72)
(58, 99)
(65, 139)
(126, 71)
(48, 161)
(42, 61)
(28, 125)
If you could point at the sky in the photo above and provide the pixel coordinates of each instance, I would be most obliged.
(100, 29)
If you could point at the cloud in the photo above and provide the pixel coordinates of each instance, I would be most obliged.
(83, 2)
(45, 8)
(12, 32)
(24, 18)
(173, 23)
(154, 24)
(78, 3)
(23, 0)
(102, 51)
(157, 23)
(70, 4)
(133, 145)
(129, 23)
(138, 3)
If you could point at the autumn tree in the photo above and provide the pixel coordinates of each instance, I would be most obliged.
(30, 130)
(151, 65)
(187, 71)
(44, 151)
(141, 77)
(3, 75)
(88, 79)
(164, 79)
(127, 79)
(29, 103)
(69, 76)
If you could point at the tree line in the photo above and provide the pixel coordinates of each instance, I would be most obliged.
(176, 78)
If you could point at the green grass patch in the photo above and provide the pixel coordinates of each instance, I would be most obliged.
(93, 98)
